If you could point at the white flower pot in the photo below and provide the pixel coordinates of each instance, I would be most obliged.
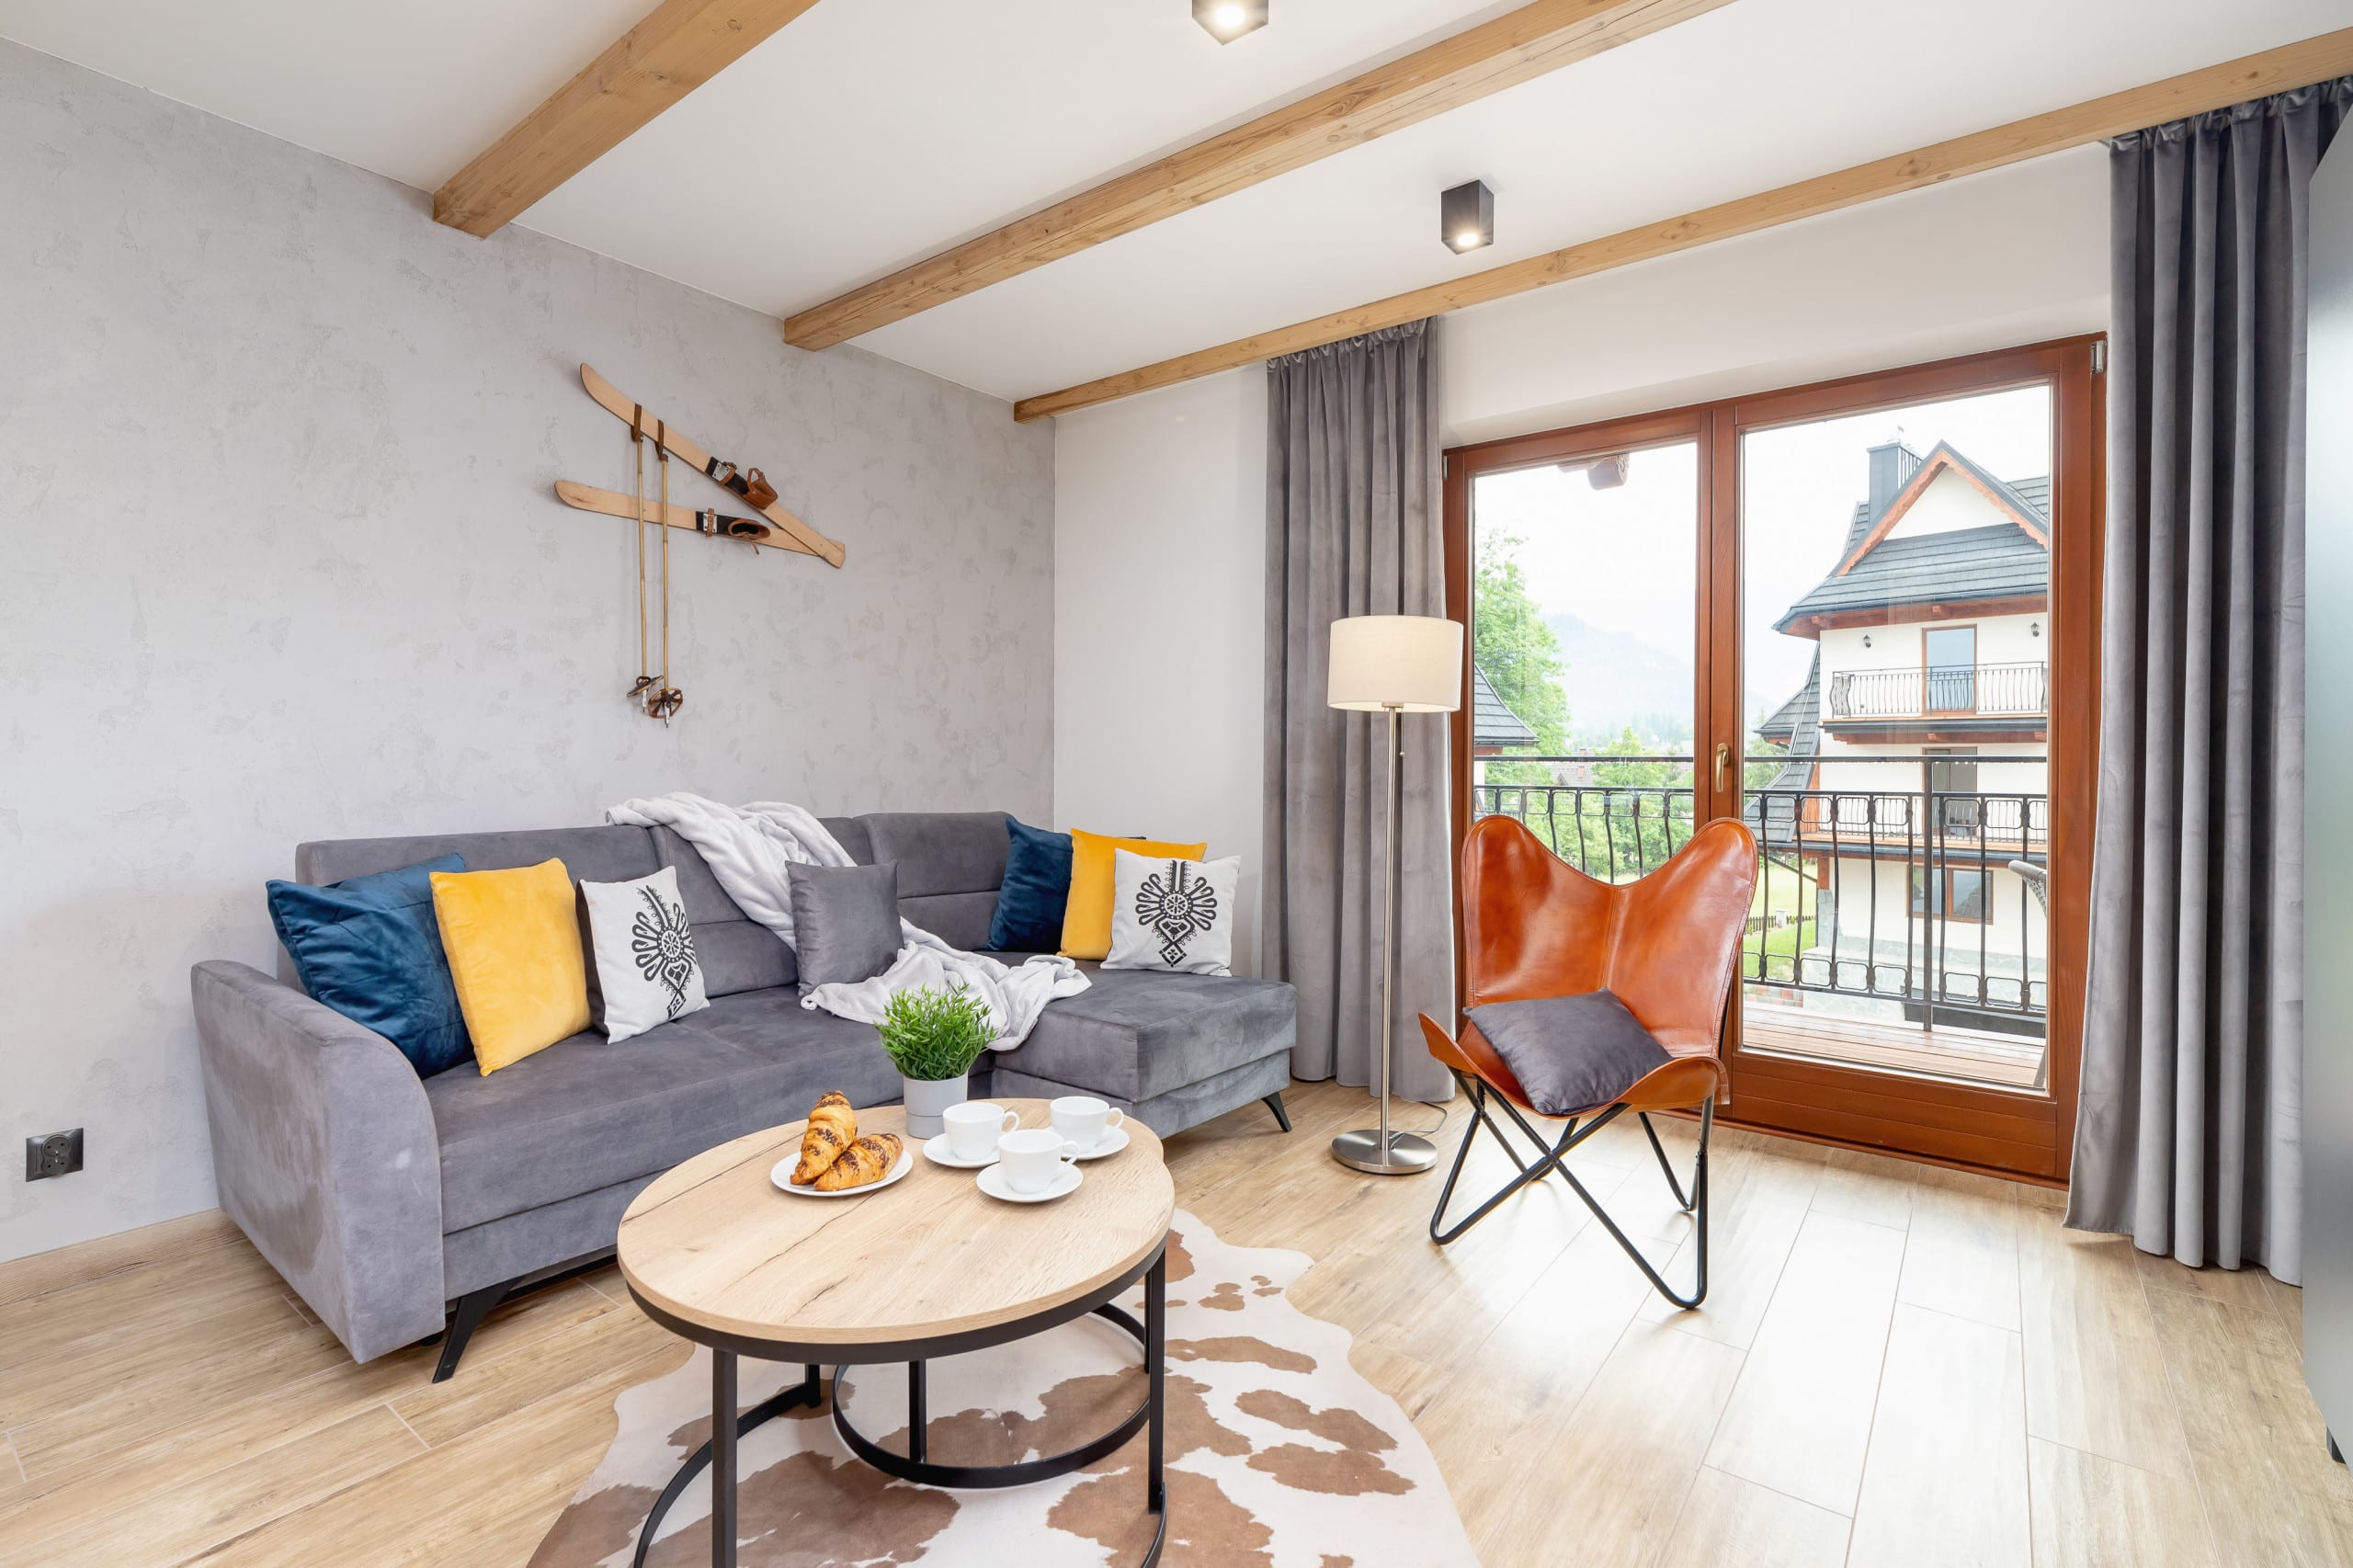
(926, 1100)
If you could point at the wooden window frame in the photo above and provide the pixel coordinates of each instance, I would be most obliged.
(2012, 1132)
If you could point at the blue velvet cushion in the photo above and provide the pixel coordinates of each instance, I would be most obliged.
(1037, 886)
(370, 948)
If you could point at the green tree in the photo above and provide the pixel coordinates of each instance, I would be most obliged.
(1518, 652)
(1521, 659)
(1639, 816)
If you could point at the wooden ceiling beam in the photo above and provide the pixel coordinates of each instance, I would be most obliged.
(1486, 59)
(2216, 86)
(680, 45)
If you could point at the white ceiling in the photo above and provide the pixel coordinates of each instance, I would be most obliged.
(871, 133)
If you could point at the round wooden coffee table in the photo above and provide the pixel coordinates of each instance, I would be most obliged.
(928, 1266)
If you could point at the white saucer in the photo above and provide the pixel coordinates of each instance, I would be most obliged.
(936, 1151)
(781, 1174)
(993, 1183)
(1114, 1139)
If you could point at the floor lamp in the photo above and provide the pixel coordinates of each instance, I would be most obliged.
(1395, 664)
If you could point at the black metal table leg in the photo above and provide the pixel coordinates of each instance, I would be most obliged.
(722, 1458)
(720, 1454)
(806, 1391)
(1155, 1360)
(919, 1415)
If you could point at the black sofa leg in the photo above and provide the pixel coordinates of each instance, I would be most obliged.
(468, 1310)
(465, 1316)
(1275, 1103)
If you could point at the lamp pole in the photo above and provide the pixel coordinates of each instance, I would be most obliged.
(1382, 1152)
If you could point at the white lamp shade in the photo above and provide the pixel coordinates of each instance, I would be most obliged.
(1412, 663)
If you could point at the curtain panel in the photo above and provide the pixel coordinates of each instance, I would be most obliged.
(2188, 1133)
(1353, 528)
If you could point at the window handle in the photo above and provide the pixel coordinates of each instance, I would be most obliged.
(1724, 761)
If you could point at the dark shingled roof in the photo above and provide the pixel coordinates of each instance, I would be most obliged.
(1996, 561)
(1783, 721)
(1491, 723)
(1993, 563)
(1798, 724)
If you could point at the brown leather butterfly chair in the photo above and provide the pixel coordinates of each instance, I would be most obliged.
(1666, 945)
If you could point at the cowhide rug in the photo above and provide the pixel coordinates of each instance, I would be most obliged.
(1279, 1455)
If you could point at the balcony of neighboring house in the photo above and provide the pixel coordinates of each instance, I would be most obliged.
(2005, 691)
(1901, 929)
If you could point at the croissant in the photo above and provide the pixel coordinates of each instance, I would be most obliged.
(833, 1127)
(863, 1164)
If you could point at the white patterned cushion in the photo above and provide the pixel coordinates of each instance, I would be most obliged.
(1172, 914)
(645, 955)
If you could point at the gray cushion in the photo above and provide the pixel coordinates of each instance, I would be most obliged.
(845, 921)
(584, 1113)
(590, 854)
(960, 919)
(850, 834)
(1137, 1033)
(940, 852)
(742, 955)
(736, 953)
(1570, 1053)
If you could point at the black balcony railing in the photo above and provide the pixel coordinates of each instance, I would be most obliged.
(1989, 690)
(1900, 896)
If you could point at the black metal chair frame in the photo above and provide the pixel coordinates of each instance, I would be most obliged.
(1552, 1156)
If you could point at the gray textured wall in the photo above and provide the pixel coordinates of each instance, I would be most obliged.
(278, 559)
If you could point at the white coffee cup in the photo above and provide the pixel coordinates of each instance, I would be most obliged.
(975, 1126)
(1032, 1158)
(1085, 1121)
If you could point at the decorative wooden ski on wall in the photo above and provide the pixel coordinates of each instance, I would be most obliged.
(746, 485)
(613, 503)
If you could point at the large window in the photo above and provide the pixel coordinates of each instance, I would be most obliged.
(1858, 617)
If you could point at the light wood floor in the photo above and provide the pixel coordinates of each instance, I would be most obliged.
(1898, 1364)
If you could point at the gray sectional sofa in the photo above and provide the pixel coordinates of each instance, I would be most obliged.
(399, 1208)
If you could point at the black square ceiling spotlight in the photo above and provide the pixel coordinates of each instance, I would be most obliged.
(1466, 217)
(1226, 21)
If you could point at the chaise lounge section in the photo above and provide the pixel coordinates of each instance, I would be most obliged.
(400, 1207)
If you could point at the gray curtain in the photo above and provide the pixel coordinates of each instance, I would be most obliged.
(1353, 529)
(2188, 1129)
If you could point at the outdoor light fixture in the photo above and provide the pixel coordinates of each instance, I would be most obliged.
(2034, 628)
(1226, 21)
(1466, 217)
(1867, 639)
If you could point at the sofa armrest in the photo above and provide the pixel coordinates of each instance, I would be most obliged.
(325, 1153)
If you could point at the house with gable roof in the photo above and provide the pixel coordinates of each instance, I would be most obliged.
(1914, 775)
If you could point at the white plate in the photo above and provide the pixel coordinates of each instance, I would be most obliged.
(1115, 1140)
(936, 1151)
(993, 1183)
(781, 1174)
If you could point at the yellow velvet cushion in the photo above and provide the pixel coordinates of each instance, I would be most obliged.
(513, 939)
(1087, 918)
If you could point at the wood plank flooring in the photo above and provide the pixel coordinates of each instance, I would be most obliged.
(1896, 1363)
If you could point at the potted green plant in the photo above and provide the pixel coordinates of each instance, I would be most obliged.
(933, 1037)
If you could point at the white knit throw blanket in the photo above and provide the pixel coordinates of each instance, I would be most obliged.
(748, 848)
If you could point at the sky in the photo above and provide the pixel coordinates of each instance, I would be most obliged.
(1626, 560)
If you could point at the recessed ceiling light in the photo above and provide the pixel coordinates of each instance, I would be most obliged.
(1466, 217)
(1226, 21)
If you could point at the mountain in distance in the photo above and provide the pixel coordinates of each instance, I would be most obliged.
(1614, 680)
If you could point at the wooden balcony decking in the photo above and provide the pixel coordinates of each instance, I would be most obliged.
(1971, 1055)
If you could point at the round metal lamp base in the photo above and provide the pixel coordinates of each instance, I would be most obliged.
(1409, 1153)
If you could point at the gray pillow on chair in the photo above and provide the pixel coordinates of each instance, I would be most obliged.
(1570, 1053)
(845, 921)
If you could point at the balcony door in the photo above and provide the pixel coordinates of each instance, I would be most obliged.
(1859, 616)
